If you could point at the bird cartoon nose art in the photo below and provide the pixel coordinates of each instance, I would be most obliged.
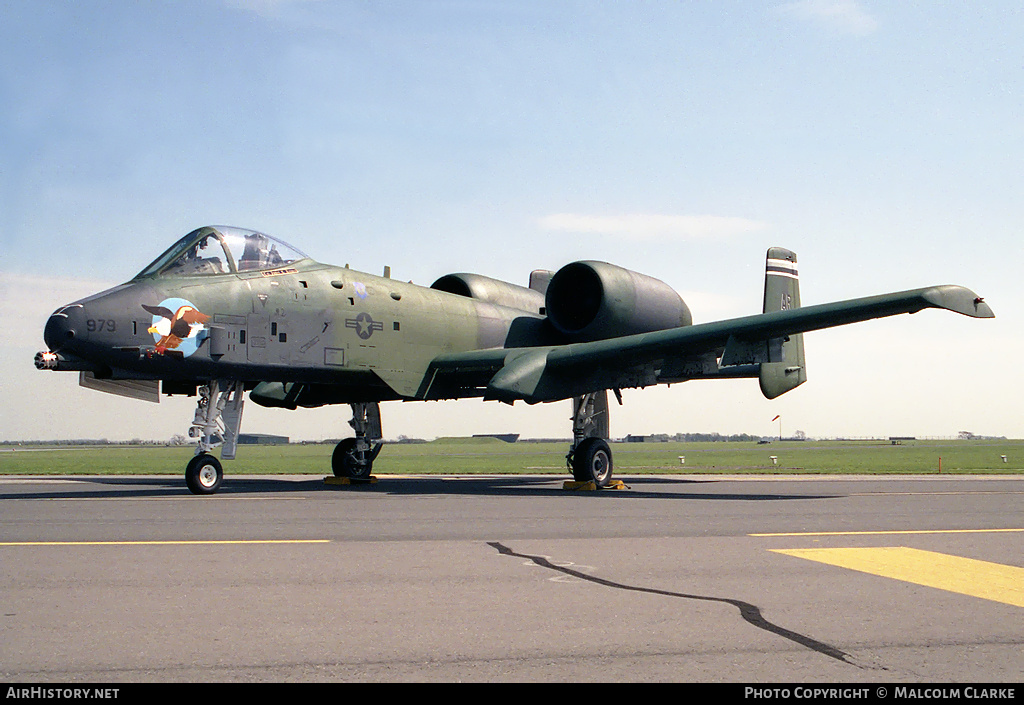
(177, 325)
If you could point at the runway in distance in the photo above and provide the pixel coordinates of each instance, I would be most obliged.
(227, 310)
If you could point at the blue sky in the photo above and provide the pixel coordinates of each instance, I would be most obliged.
(880, 141)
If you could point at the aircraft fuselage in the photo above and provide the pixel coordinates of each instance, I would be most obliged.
(304, 323)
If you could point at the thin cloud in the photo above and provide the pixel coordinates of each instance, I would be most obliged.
(30, 299)
(846, 16)
(646, 226)
(268, 9)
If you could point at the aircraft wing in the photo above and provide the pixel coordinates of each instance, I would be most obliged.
(730, 348)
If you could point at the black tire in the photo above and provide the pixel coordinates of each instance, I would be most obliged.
(345, 461)
(204, 474)
(592, 462)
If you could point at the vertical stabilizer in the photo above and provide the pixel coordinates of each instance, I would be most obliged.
(787, 369)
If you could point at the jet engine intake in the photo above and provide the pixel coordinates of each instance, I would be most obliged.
(492, 291)
(595, 300)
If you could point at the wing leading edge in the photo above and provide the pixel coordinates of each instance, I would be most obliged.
(723, 349)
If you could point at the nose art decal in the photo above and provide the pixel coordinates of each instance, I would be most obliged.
(177, 325)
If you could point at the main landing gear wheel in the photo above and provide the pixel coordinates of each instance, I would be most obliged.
(349, 461)
(204, 474)
(592, 462)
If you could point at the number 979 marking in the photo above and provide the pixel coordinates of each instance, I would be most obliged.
(98, 325)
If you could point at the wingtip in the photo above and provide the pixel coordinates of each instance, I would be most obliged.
(982, 309)
(959, 299)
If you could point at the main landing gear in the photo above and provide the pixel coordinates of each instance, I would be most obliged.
(353, 457)
(590, 457)
(216, 423)
(218, 418)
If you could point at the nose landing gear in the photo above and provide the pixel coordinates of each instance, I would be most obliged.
(217, 421)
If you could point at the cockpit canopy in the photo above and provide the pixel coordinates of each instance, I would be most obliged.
(222, 250)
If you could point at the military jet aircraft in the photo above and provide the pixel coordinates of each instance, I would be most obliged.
(227, 310)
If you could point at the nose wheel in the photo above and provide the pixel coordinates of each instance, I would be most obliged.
(204, 474)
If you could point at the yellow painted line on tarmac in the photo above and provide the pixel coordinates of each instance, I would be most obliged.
(157, 543)
(171, 498)
(965, 576)
(930, 494)
(884, 533)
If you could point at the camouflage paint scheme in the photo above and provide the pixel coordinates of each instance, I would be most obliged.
(227, 305)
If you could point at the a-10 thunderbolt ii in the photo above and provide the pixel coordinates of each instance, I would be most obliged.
(226, 310)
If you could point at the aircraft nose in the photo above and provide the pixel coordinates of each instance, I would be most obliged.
(65, 324)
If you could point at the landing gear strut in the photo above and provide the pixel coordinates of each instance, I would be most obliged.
(353, 457)
(216, 423)
(590, 457)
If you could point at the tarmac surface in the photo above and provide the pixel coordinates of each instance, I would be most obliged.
(687, 578)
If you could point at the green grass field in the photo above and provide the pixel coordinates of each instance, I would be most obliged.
(489, 456)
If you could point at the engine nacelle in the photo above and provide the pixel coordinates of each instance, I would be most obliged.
(493, 291)
(596, 300)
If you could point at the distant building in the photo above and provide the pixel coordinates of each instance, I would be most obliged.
(898, 440)
(261, 439)
(507, 437)
(652, 438)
